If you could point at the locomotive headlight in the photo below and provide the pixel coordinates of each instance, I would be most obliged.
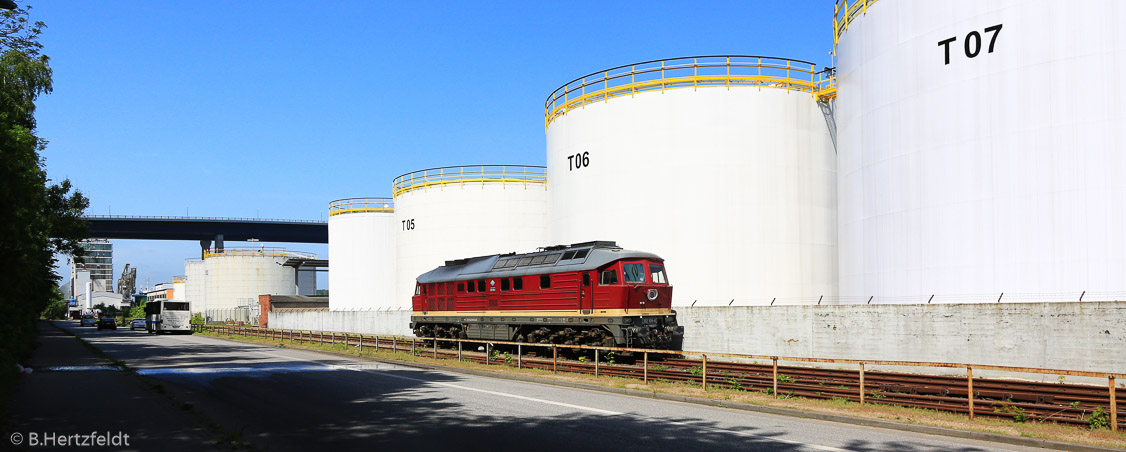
(652, 295)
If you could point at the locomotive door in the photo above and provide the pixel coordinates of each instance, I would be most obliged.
(586, 293)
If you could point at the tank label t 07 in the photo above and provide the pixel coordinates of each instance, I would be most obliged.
(972, 44)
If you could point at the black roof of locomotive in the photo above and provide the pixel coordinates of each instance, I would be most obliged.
(599, 253)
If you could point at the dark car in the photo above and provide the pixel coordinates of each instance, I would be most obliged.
(137, 324)
(107, 322)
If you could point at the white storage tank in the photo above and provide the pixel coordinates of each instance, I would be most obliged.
(361, 246)
(981, 150)
(237, 276)
(723, 166)
(179, 287)
(464, 211)
(195, 286)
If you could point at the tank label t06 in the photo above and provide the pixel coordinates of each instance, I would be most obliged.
(577, 161)
(972, 44)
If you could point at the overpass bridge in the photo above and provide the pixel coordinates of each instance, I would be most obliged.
(207, 229)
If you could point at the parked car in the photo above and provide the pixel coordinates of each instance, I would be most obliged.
(137, 324)
(87, 320)
(107, 322)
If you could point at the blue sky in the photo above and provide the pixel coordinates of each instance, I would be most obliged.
(272, 109)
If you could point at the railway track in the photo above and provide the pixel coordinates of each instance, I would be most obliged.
(1022, 401)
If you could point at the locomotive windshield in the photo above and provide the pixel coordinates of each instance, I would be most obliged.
(658, 273)
(634, 273)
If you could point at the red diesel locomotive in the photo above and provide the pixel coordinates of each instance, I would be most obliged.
(592, 293)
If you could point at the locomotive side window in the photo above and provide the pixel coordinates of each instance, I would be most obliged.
(500, 263)
(545, 281)
(538, 259)
(470, 287)
(524, 261)
(518, 283)
(657, 272)
(480, 285)
(586, 279)
(552, 258)
(608, 277)
(461, 287)
(634, 273)
(504, 284)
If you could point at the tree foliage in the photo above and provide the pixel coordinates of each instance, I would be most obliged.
(37, 218)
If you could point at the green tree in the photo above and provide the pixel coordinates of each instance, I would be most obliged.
(38, 218)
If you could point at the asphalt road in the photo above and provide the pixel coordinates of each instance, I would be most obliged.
(284, 399)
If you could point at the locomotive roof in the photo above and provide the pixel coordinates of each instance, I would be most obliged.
(552, 259)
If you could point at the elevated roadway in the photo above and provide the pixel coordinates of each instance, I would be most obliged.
(207, 229)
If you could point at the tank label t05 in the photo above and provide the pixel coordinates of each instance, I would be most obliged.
(408, 224)
(972, 44)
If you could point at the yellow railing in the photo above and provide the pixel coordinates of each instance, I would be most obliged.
(462, 175)
(357, 205)
(844, 13)
(179, 279)
(722, 71)
(260, 251)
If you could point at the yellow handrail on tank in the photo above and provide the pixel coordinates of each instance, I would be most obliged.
(843, 14)
(260, 251)
(358, 205)
(722, 71)
(477, 174)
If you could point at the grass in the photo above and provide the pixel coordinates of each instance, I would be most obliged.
(836, 406)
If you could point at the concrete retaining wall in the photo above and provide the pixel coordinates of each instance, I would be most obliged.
(1075, 336)
(367, 322)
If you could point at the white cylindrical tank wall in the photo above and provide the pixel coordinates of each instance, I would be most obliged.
(722, 166)
(237, 276)
(195, 286)
(361, 246)
(179, 287)
(456, 212)
(981, 150)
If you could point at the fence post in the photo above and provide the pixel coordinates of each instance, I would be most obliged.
(361, 343)
(775, 359)
(861, 383)
(970, 389)
(645, 373)
(377, 342)
(412, 346)
(486, 353)
(704, 374)
(435, 345)
(554, 359)
(394, 344)
(596, 362)
(459, 350)
(519, 356)
(1113, 405)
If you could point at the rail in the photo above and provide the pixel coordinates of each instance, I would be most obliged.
(155, 217)
(260, 251)
(694, 72)
(360, 205)
(843, 14)
(993, 397)
(475, 174)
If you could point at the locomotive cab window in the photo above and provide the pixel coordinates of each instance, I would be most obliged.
(586, 279)
(418, 289)
(657, 273)
(504, 285)
(480, 285)
(608, 277)
(518, 283)
(461, 287)
(545, 281)
(470, 287)
(634, 273)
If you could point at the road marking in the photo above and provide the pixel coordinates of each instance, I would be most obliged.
(362, 367)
